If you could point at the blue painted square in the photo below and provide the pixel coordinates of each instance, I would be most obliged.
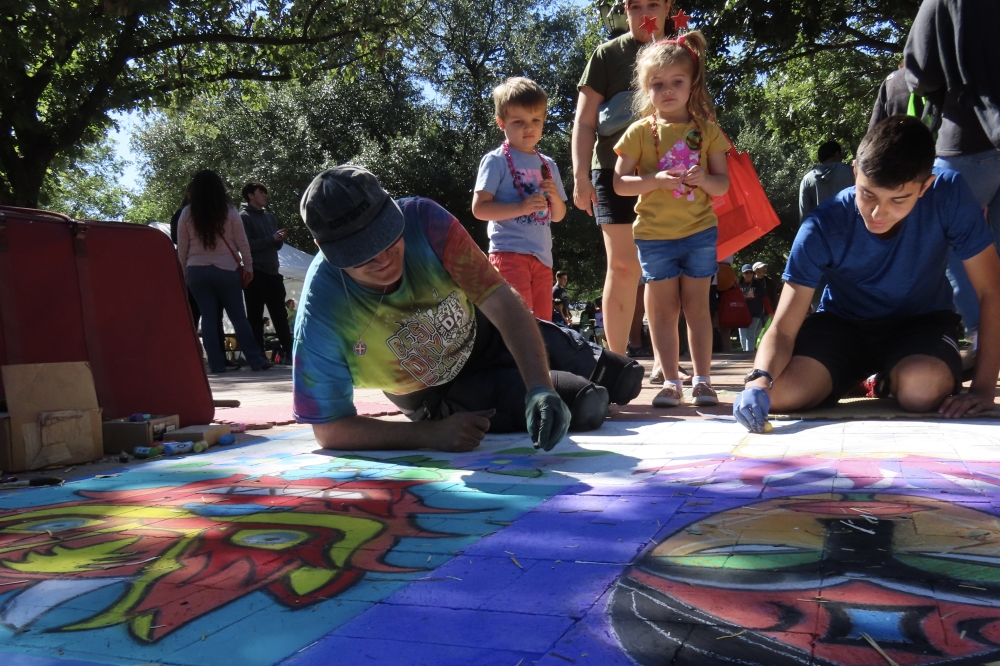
(470, 628)
(341, 651)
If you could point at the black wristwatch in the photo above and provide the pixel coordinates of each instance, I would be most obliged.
(757, 374)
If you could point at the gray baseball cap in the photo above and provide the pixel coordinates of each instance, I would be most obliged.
(747, 268)
(349, 214)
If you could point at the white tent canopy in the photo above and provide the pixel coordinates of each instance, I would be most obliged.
(294, 265)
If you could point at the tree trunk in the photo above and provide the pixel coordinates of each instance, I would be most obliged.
(24, 176)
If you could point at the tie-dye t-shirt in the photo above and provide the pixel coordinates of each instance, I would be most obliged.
(421, 335)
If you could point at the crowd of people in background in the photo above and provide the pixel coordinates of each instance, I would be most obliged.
(648, 160)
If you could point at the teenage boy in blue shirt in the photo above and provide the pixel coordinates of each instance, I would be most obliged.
(887, 308)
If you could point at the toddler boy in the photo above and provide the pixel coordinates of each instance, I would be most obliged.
(519, 192)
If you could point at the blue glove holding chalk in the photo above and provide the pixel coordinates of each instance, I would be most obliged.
(751, 407)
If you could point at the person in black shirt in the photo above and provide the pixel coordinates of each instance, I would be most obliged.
(950, 58)
(267, 289)
(754, 291)
(560, 300)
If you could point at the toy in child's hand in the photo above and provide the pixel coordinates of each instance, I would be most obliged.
(680, 159)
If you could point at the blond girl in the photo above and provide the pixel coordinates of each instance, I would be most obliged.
(674, 159)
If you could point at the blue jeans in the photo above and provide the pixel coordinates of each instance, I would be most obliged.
(215, 288)
(982, 172)
(748, 336)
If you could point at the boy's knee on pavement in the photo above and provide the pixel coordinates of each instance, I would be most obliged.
(921, 383)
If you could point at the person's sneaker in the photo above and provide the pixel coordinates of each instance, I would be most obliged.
(668, 396)
(267, 366)
(639, 352)
(703, 394)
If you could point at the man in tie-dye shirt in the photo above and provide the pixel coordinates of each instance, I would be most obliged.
(400, 298)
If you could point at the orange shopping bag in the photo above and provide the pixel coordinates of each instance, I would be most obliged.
(745, 213)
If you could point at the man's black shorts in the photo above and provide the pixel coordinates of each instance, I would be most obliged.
(611, 208)
(855, 350)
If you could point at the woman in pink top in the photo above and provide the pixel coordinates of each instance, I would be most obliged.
(209, 235)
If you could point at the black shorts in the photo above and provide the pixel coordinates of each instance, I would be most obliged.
(611, 208)
(855, 350)
(490, 378)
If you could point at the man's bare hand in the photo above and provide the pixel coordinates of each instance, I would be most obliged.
(462, 432)
(965, 404)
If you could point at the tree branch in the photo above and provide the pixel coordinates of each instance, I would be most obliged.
(765, 62)
(895, 47)
(229, 38)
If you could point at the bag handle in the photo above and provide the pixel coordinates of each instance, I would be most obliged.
(238, 260)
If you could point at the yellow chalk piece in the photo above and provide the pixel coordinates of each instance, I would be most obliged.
(768, 427)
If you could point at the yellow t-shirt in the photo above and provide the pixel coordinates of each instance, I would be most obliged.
(663, 214)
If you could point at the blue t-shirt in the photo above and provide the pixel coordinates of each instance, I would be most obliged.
(871, 278)
(525, 234)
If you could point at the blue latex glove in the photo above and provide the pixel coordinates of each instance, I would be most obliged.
(751, 407)
(547, 416)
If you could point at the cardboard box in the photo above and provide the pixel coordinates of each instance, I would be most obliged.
(124, 435)
(210, 433)
(53, 417)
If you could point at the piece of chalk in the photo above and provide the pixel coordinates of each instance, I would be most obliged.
(768, 427)
(227, 439)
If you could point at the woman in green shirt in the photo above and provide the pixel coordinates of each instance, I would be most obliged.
(608, 78)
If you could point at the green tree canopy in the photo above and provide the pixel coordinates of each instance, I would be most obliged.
(787, 75)
(66, 65)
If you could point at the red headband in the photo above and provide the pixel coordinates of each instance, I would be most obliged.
(681, 41)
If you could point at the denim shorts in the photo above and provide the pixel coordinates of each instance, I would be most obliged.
(693, 256)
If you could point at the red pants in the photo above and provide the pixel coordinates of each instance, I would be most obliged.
(529, 277)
